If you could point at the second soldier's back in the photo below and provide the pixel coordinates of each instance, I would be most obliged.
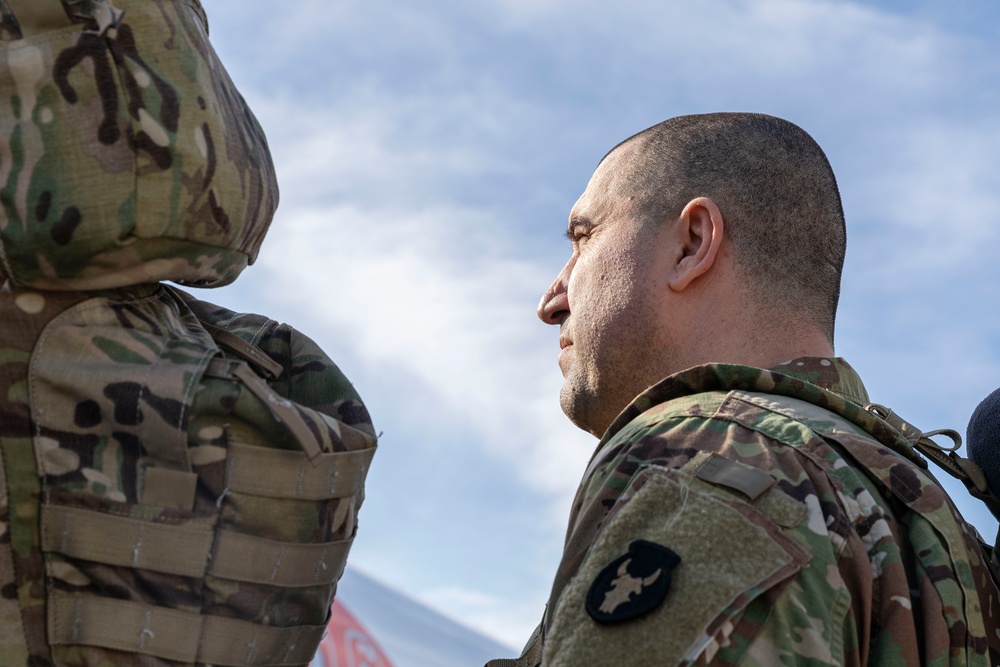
(180, 483)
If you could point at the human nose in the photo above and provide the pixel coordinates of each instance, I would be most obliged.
(554, 306)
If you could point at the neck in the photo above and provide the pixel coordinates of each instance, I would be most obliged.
(739, 335)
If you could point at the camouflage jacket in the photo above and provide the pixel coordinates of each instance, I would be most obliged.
(739, 516)
(179, 483)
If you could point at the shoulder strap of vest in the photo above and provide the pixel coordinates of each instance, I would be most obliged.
(948, 459)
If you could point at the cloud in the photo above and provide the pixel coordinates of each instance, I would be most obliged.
(776, 39)
(933, 198)
(442, 294)
(482, 610)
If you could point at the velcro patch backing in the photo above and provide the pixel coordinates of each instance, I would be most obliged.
(734, 475)
(727, 554)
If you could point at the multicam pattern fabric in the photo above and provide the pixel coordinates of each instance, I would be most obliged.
(855, 556)
(126, 153)
(110, 397)
(179, 483)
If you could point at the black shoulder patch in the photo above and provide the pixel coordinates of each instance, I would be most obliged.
(633, 584)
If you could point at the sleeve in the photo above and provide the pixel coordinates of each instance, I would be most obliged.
(686, 572)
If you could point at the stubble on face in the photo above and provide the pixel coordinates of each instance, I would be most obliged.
(614, 288)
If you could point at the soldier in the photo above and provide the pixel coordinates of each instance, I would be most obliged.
(745, 504)
(179, 483)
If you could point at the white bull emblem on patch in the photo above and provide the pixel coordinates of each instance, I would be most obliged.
(624, 587)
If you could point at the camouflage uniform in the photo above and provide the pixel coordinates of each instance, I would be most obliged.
(179, 483)
(803, 530)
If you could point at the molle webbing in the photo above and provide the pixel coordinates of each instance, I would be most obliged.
(184, 548)
(188, 550)
(221, 507)
(197, 548)
(277, 473)
(246, 558)
(116, 540)
(176, 635)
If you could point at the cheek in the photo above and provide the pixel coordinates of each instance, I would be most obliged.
(605, 298)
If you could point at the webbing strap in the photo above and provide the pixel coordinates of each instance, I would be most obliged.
(283, 408)
(176, 635)
(164, 487)
(352, 437)
(232, 643)
(115, 540)
(289, 564)
(946, 458)
(37, 16)
(248, 351)
(281, 473)
(184, 549)
(124, 626)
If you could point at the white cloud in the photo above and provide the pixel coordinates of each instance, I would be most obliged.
(937, 196)
(508, 623)
(773, 38)
(437, 292)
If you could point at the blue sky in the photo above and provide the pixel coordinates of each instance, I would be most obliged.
(429, 153)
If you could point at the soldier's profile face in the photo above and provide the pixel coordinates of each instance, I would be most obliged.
(608, 300)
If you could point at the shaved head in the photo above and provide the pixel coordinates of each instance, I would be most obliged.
(775, 190)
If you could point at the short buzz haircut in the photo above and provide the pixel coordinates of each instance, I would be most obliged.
(775, 190)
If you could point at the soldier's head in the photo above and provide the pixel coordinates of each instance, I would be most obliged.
(137, 159)
(710, 238)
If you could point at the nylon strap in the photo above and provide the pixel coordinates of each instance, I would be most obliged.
(125, 626)
(288, 564)
(115, 540)
(184, 550)
(948, 459)
(253, 354)
(281, 473)
(38, 16)
(352, 437)
(175, 634)
(286, 412)
(283, 408)
(164, 487)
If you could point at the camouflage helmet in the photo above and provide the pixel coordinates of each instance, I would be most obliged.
(127, 155)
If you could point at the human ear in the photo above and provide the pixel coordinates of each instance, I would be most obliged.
(698, 234)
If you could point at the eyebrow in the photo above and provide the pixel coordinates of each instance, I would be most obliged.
(576, 221)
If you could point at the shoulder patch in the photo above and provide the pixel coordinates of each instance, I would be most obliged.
(633, 584)
(731, 556)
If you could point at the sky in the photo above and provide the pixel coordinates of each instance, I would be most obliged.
(429, 153)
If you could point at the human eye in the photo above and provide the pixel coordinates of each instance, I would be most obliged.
(579, 234)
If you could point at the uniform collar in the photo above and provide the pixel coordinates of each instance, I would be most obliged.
(827, 381)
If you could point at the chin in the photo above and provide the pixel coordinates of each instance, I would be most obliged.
(577, 406)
